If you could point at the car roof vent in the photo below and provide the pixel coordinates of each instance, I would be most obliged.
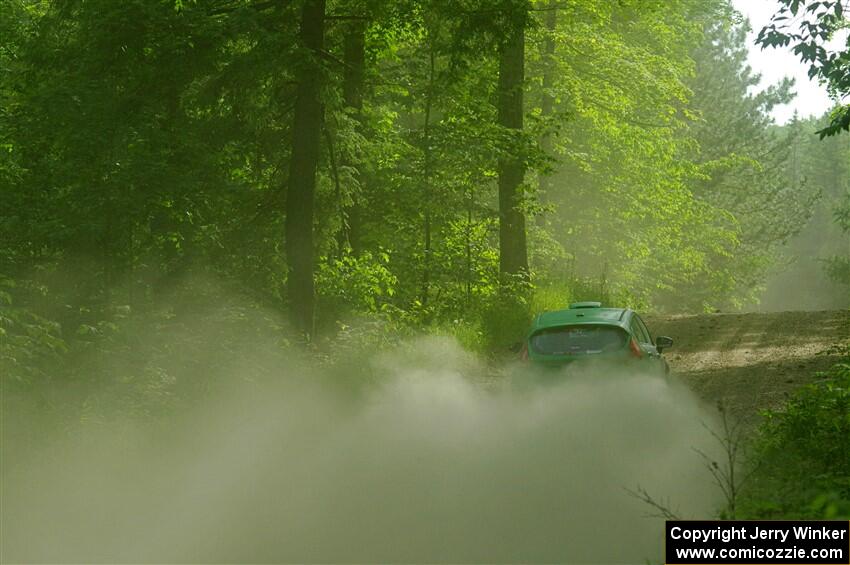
(576, 305)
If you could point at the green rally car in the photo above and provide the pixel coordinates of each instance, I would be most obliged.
(586, 330)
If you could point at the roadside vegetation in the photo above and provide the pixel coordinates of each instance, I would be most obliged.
(800, 458)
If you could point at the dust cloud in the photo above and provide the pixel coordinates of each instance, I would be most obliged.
(435, 460)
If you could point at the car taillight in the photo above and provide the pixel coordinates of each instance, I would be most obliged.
(635, 348)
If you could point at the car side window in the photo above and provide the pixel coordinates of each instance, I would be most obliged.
(644, 332)
(636, 330)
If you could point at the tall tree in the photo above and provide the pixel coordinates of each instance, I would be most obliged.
(739, 146)
(428, 169)
(300, 199)
(547, 100)
(513, 252)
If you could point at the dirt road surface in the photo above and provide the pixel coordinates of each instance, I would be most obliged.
(752, 361)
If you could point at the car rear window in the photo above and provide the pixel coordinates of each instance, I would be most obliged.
(578, 340)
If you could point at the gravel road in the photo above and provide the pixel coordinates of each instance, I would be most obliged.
(752, 361)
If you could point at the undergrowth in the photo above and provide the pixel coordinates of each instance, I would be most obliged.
(803, 453)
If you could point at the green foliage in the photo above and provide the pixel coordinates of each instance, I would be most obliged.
(642, 183)
(803, 453)
(506, 314)
(809, 25)
(746, 169)
(625, 205)
(144, 144)
(30, 345)
(363, 283)
(115, 361)
(821, 169)
(838, 269)
(838, 266)
(551, 297)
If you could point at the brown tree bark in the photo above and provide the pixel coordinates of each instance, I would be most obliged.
(306, 132)
(513, 254)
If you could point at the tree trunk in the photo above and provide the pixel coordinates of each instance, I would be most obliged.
(306, 131)
(427, 172)
(513, 255)
(547, 104)
(354, 56)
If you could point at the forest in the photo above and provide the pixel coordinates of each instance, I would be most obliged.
(402, 161)
(198, 194)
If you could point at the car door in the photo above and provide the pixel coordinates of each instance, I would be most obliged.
(644, 339)
(648, 345)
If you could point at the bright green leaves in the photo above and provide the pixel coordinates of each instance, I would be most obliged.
(153, 137)
(808, 32)
(364, 283)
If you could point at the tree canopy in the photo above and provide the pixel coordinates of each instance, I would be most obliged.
(424, 162)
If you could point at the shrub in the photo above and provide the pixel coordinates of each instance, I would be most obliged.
(361, 283)
(803, 452)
